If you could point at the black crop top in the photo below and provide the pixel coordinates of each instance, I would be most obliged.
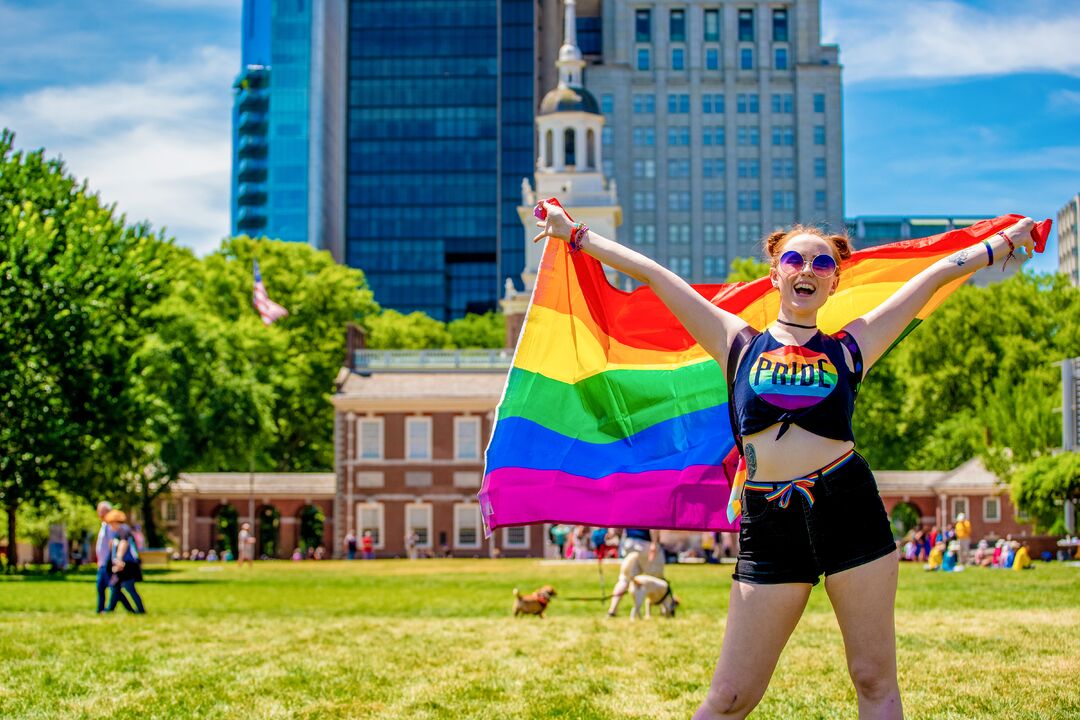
(807, 385)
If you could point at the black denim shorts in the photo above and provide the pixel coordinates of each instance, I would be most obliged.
(846, 526)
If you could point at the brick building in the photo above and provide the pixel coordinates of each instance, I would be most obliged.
(410, 433)
(938, 496)
(205, 510)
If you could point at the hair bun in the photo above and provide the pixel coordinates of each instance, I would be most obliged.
(840, 242)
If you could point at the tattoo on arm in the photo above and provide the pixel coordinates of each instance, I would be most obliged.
(961, 257)
(751, 461)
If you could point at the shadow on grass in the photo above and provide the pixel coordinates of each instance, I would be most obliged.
(86, 574)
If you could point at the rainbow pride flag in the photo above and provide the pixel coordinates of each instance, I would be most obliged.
(613, 416)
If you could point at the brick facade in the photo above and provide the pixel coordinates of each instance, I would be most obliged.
(392, 486)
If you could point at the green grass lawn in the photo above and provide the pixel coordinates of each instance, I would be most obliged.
(435, 639)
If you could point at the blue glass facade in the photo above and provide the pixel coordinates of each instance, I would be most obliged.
(440, 135)
(270, 121)
(290, 73)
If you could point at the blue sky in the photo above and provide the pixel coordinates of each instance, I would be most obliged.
(950, 107)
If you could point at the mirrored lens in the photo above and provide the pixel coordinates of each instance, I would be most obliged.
(791, 262)
(824, 266)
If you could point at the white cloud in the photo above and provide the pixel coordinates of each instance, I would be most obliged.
(1064, 101)
(158, 145)
(925, 39)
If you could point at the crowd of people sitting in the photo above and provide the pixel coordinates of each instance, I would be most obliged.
(312, 552)
(948, 549)
(581, 542)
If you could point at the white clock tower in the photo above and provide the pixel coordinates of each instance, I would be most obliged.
(569, 166)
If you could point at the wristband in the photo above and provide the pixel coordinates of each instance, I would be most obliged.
(578, 233)
(989, 253)
(1012, 248)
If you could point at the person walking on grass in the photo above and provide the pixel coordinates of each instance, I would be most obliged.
(644, 556)
(102, 548)
(810, 505)
(125, 565)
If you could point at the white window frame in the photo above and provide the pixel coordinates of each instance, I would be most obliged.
(986, 503)
(429, 478)
(515, 546)
(479, 527)
(358, 439)
(953, 502)
(409, 421)
(460, 420)
(429, 511)
(369, 479)
(467, 479)
(381, 510)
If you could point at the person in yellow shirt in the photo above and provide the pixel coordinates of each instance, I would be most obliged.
(1022, 561)
(963, 536)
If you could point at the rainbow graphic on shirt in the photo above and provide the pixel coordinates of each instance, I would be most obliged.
(792, 377)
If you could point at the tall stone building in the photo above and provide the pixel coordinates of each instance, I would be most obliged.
(722, 122)
(1068, 227)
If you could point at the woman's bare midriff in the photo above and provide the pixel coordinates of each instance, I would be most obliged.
(798, 453)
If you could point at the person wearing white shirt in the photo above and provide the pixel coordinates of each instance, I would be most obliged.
(102, 548)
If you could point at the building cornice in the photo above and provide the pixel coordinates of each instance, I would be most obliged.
(360, 404)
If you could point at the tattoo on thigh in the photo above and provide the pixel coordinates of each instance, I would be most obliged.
(751, 461)
(961, 257)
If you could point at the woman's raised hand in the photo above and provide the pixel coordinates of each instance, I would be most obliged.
(1020, 234)
(555, 225)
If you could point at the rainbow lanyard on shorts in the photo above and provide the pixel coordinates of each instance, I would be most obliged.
(783, 491)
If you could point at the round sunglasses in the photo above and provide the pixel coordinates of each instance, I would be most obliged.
(792, 263)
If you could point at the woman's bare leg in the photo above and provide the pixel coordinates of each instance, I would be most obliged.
(759, 622)
(864, 599)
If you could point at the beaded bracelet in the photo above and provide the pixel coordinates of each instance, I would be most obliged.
(578, 233)
(989, 252)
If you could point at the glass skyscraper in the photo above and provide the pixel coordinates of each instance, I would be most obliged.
(440, 136)
(288, 117)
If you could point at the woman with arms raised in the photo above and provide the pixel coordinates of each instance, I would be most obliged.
(810, 505)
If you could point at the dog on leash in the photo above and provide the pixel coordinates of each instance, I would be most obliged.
(535, 603)
(649, 590)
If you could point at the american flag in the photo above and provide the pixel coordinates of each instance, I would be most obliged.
(269, 310)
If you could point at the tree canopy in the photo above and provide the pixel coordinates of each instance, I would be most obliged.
(977, 377)
(76, 284)
(392, 330)
(746, 269)
(1042, 486)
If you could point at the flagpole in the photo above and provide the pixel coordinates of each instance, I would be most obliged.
(251, 499)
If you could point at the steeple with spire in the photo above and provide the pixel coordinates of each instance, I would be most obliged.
(569, 166)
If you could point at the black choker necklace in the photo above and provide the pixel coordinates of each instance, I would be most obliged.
(806, 327)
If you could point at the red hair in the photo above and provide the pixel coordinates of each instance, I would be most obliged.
(774, 243)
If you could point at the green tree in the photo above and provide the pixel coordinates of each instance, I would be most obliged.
(391, 330)
(478, 331)
(75, 282)
(76, 513)
(196, 400)
(1041, 487)
(746, 269)
(300, 355)
(977, 377)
